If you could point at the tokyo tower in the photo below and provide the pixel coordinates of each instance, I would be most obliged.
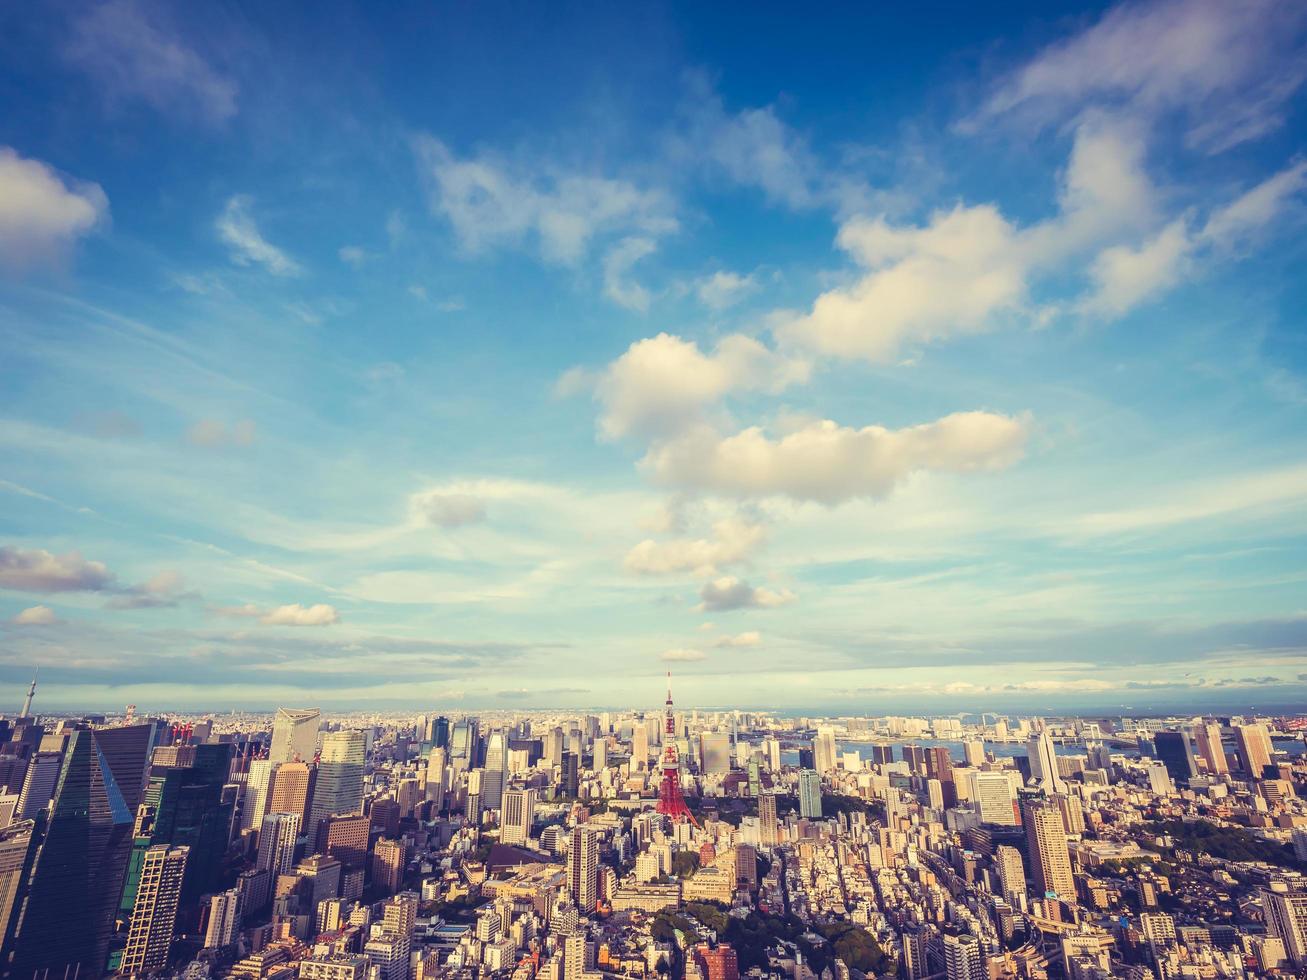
(671, 802)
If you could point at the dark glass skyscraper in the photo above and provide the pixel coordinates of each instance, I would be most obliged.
(77, 873)
(1176, 752)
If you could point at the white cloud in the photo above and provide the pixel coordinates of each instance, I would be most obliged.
(353, 255)
(947, 277)
(215, 434)
(682, 655)
(618, 284)
(490, 206)
(297, 615)
(164, 590)
(724, 288)
(448, 509)
(40, 571)
(129, 57)
(36, 616)
(1124, 276)
(238, 230)
(750, 638)
(41, 214)
(1227, 69)
(1231, 225)
(663, 383)
(733, 541)
(829, 463)
(726, 593)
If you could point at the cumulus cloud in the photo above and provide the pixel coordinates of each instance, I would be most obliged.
(132, 57)
(448, 509)
(36, 616)
(238, 230)
(42, 215)
(682, 655)
(297, 615)
(830, 463)
(750, 638)
(1226, 70)
(490, 205)
(215, 434)
(663, 383)
(727, 593)
(40, 571)
(619, 286)
(732, 541)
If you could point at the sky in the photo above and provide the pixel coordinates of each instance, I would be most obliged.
(868, 359)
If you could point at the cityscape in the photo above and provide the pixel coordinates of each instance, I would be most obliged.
(604, 490)
(653, 843)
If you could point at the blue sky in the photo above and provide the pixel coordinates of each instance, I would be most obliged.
(476, 356)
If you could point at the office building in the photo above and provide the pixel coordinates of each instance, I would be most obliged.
(345, 837)
(277, 839)
(154, 915)
(295, 735)
(338, 787)
(292, 783)
(258, 789)
(224, 924)
(1043, 764)
(39, 783)
(810, 794)
(717, 963)
(17, 846)
(1050, 858)
(1011, 874)
(994, 799)
(1212, 750)
(1286, 919)
(768, 822)
(1175, 751)
(1254, 749)
(389, 860)
(518, 816)
(583, 868)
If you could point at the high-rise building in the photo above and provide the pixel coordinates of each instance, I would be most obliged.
(437, 784)
(39, 783)
(438, 732)
(640, 747)
(258, 788)
(991, 792)
(1043, 763)
(339, 784)
(291, 785)
(1011, 874)
(518, 816)
(1073, 813)
(295, 735)
(154, 915)
(1176, 752)
(1254, 748)
(345, 837)
(389, 858)
(1050, 858)
(571, 775)
(771, 750)
(974, 750)
(277, 842)
(963, 959)
(810, 794)
(17, 846)
(583, 868)
(1213, 752)
(79, 865)
(1286, 919)
(224, 919)
(824, 750)
(768, 823)
(915, 757)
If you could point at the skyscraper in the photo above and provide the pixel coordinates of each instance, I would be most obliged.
(962, 958)
(1050, 858)
(1011, 873)
(339, 784)
(295, 735)
(1254, 748)
(1286, 918)
(583, 868)
(810, 794)
(388, 861)
(769, 825)
(16, 850)
(1213, 752)
(991, 792)
(436, 785)
(277, 842)
(258, 789)
(154, 915)
(518, 815)
(224, 919)
(824, 750)
(39, 783)
(190, 809)
(975, 752)
(1043, 763)
(291, 783)
(78, 865)
(1176, 752)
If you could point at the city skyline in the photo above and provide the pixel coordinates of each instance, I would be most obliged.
(505, 357)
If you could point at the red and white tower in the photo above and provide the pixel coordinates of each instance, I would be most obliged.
(671, 802)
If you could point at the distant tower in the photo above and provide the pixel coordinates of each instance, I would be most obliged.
(670, 801)
(27, 702)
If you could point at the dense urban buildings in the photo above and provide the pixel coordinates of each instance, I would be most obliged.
(974, 847)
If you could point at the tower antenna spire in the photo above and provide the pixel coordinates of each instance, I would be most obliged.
(671, 802)
(31, 693)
